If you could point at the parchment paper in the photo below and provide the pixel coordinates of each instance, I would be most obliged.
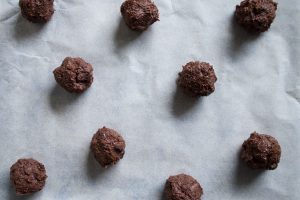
(134, 92)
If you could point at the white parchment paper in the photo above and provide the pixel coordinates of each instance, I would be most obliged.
(134, 92)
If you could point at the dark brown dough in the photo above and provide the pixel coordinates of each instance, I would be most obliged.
(261, 151)
(74, 74)
(197, 79)
(182, 187)
(108, 146)
(256, 15)
(37, 11)
(139, 14)
(28, 176)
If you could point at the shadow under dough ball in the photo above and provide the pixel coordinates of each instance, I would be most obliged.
(261, 151)
(256, 15)
(37, 11)
(139, 14)
(74, 75)
(182, 187)
(108, 146)
(197, 79)
(28, 176)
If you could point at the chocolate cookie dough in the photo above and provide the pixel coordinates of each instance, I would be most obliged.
(108, 146)
(256, 15)
(182, 187)
(197, 79)
(139, 14)
(74, 75)
(28, 176)
(37, 11)
(261, 151)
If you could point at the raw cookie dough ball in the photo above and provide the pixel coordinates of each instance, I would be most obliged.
(139, 14)
(37, 11)
(182, 187)
(256, 15)
(74, 74)
(28, 176)
(261, 151)
(108, 146)
(197, 79)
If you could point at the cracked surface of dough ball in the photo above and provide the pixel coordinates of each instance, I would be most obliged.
(197, 79)
(37, 11)
(139, 14)
(256, 15)
(28, 176)
(74, 75)
(108, 146)
(261, 151)
(182, 187)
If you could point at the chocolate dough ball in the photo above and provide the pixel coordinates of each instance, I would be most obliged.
(28, 176)
(261, 151)
(139, 14)
(37, 11)
(197, 79)
(108, 146)
(256, 15)
(74, 75)
(182, 187)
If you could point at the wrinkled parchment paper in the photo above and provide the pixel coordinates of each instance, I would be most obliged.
(134, 92)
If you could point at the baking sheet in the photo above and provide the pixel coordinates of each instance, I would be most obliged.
(134, 92)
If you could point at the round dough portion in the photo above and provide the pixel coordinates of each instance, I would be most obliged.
(139, 14)
(28, 176)
(261, 151)
(182, 187)
(108, 146)
(256, 15)
(37, 11)
(74, 75)
(197, 79)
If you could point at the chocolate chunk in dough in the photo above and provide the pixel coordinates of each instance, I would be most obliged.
(197, 79)
(37, 11)
(108, 146)
(256, 15)
(74, 75)
(261, 151)
(139, 14)
(28, 176)
(182, 187)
